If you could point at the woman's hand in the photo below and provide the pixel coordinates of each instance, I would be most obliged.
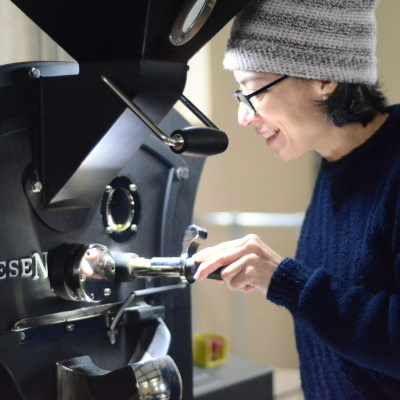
(249, 262)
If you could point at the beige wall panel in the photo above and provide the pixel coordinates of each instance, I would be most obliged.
(19, 36)
(22, 40)
(388, 49)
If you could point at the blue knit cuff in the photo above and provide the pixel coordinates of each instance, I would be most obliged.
(287, 283)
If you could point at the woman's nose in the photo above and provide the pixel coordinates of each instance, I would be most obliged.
(246, 118)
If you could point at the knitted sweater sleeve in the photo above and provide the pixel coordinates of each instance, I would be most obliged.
(361, 326)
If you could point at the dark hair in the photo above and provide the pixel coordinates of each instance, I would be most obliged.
(354, 102)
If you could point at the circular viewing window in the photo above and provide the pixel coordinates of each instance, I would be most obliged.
(190, 20)
(121, 209)
(193, 15)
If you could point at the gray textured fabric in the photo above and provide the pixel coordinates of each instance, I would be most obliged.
(320, 39)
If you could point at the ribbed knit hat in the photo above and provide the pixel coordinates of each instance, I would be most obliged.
(314, 39)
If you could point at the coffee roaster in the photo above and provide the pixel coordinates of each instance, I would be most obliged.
(95, 166)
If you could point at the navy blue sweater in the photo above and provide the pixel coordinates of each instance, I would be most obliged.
(343, 287)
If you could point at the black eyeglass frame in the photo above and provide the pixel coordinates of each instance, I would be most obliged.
(245, 98)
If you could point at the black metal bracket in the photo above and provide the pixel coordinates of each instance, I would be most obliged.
(95, 318)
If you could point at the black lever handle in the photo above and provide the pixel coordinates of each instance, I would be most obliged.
(193, 141)
(200, 141)
(191, 268)
(216, 274)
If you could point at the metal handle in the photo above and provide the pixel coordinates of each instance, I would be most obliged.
(192, 238)
(191, 268)
(141, 115)
(183, 266)
(193, 141)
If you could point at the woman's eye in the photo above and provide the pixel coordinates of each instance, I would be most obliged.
(260, 95)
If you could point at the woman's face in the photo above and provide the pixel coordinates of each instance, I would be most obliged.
(287, 116)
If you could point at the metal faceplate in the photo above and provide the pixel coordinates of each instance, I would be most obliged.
(82, 272)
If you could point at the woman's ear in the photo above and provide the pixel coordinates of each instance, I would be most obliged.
(323, 89)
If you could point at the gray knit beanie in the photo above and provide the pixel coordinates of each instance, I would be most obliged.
(320, 39)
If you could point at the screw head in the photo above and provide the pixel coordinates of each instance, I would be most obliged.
(109, 229)
(182, 173)
(70, 327)
(134, 228)
(37, 186)
(34, 73)
(132, 187)
(107, 292)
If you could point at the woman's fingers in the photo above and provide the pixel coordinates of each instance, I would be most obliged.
(215, 261)
(204, 254)
(249, 263)
(226, 253)
(222, 258)
(249, 273)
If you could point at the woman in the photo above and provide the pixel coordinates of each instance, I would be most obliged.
(308, 82)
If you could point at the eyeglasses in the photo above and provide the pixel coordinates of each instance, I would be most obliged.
(245, 98)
